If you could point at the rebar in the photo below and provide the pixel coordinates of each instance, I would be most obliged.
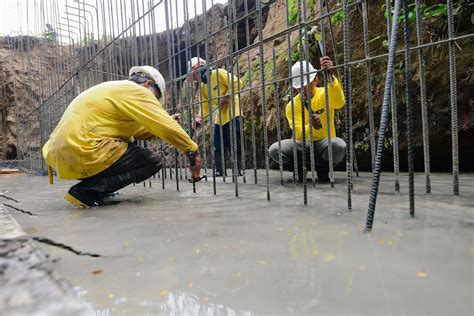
(87, 42)
(454, 98)
(383, 118)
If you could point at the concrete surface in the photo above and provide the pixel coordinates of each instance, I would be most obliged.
(28, 283)
(171, 252)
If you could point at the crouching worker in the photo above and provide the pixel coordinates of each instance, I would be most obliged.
(93, 140)
(222, 84)
(317, 124)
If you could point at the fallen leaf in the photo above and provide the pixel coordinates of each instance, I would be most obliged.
(164, 292)
(97, 271)
(206, 245)
(472, 249)
(262, 262)
(381, 242)
(110, 296)
(330, 257)
(205, 300)
(190, 285)
(421, 274)
(197, 251)
(315, 252)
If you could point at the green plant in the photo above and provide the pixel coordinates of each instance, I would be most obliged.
(295, 56)
(292, 11)
(337, 17)
(50, 36)
(436, 10)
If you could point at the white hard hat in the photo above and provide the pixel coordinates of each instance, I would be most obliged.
(195, 61)
(153, 75)
(308, 69)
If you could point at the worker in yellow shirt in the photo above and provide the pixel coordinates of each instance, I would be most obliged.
(93, 140)
(222, 85)
(317, 124)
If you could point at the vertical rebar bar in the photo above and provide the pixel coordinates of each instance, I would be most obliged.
(409, 107)
(208, 74)
(347, 92)
(278, 118)
(370, 106)
(326, 98)
(383, 118)
(453, 97)
(424, 107)
(264, 103)
(393, 104)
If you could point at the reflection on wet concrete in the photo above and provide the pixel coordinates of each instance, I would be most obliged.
(174, 303)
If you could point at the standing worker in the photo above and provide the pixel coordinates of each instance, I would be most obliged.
(93, 140)
(316, 125)
(222, 87)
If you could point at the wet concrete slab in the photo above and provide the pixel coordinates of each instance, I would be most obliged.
(177, 252)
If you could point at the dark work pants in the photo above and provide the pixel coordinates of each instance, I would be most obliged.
(136, 165)
(226, 135)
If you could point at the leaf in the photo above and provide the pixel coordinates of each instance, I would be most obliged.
(97, 271)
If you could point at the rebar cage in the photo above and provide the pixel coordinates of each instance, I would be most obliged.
(86, 42)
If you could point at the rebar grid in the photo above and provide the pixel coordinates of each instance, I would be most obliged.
(97, 41)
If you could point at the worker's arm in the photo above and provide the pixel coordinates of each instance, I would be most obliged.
(143, 107)
(204, 108)
(298, 128)
(225, 80)
(336, 95)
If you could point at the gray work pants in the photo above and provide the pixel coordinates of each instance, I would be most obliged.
(320, 152)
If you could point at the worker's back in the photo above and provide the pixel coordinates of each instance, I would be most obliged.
(94, 130)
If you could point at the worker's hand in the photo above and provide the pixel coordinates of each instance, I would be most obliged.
(326, 65)
(198, 120)
(316, 121)
(225, 100)
(196, 169)
(176, 116)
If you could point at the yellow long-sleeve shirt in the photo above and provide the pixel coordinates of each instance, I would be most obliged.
(97, 126)
(221, 85)
(336, 101)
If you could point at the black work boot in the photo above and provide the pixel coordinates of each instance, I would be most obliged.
(322, 170)
(83, 196)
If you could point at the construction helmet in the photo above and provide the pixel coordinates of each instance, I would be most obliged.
(195, 61)
(308, 70)
(152, 74)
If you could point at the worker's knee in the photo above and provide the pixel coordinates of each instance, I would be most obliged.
(338, 149)
(273, 152)
(154, 161)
